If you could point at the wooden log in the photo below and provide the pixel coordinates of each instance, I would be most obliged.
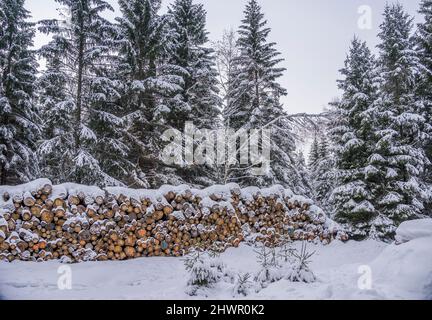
(130, 252)
(29, 200)
(47, 189)
(47, 216)
(6, 196)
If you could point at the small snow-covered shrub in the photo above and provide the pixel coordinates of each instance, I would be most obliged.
(268, 275)
(229, 276)
(286, 250)
(274, 258)
(243, 286)
(299, 270)
(270, 269)
(204, 269)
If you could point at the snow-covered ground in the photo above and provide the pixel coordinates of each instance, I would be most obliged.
(403, 271)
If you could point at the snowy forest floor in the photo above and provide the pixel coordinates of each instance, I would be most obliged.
(398, 272)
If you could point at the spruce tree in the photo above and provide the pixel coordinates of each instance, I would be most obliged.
(190, 52)
(82, 44)
(424, 47)
(354, 196)
(256, 101)
(323, 149)
(322, 175)
(303, 186)
(110, 149)
(255, 88)
(149, 83)
(399, 157)
(55, 152)
(314, 153)
(19, 129)
(198, 101)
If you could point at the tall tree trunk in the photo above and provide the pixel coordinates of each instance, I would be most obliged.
(7, 86)
(257, 90)
(79, 89)
(3, 175)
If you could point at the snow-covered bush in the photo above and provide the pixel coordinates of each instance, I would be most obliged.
(299, 270)
(286, 250)
(274, 257)
(229, 276)
(270, 270)
(243, 286)
(204, 269)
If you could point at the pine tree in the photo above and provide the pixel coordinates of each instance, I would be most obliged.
(354, 196)
(303, 186)
(399, 157)
(323, 176)
(270, 269)
(314, 153)
(323, 149)
(299, 270)
(243, 285)
(105, 119)
(55, 151)
(19, 129)
(82, 44)
(255, 79)
(149, 83)
(424, 47)
(198, 101)
(200, 91)
(204, 272)
(256, 101)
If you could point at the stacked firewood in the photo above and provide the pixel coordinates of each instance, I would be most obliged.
(45, 222)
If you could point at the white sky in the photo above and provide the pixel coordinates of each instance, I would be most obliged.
(312, 35)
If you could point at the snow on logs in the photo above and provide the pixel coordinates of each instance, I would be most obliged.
(39, 221)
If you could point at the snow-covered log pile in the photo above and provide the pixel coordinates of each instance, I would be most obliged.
(39, 221)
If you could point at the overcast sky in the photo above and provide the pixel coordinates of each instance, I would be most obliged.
(312, 35)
